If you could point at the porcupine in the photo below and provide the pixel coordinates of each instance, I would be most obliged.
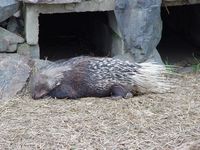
(86, 76)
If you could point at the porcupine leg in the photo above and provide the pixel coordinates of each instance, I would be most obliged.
(63, 91)
(58, 93)
(120, 91)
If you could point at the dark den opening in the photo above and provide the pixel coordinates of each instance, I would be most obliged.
(73, 34)
(180, 43)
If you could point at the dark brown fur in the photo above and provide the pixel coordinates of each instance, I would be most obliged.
(75, 85)
(97, 77)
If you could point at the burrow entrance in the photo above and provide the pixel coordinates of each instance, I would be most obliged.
(89, 33)
(73, 34)
(180, 43)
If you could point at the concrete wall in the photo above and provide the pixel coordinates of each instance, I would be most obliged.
(34, 10)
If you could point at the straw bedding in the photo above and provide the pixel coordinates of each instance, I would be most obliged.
(146, 122)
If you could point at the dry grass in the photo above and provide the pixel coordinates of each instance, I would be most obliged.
(147, 122)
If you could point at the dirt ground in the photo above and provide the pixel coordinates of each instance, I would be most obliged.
(146, 122)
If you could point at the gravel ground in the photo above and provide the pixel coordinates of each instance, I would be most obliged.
(146, 122)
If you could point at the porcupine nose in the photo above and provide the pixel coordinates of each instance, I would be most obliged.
(35, 97)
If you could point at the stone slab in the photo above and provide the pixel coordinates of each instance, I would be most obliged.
(11, 37)
(31, 51)
(12, 48)
(8, 8)
(33, 11)
(14, 72)
(52, 1)
(4, 44)
(165, 2)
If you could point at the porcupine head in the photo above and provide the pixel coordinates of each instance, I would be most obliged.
(45, 81)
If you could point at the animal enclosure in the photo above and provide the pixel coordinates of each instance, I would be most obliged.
(180, 35)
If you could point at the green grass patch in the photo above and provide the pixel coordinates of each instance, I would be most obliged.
(196, 65)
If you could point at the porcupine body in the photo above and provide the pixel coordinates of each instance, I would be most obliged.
(98, 77)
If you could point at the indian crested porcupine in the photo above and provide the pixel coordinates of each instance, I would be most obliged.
(98, 77)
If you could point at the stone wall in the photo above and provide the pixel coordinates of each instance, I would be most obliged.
(138, 37)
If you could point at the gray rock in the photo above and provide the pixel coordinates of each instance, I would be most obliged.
(4, 24)
(17, 14)
(24, 49)
(4, 44)
(11, 37)
(12, 48)
(140, 24)
(8, 8)
(9, 41)
(154, 57)
(14, 72)
(39, 63)
(51, 1)
(125, 57)
(13, 25)
(27, 50)
(35, 51)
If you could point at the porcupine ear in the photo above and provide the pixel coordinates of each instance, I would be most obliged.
(55, 80)
(55, 74)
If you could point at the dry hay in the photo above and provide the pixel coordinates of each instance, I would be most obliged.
(147, 122)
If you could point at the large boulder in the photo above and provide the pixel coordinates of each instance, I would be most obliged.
(9, 40)
(14, 72)
(140, 24)
(8, 8)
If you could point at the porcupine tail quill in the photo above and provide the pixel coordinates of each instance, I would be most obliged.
(152, 77)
